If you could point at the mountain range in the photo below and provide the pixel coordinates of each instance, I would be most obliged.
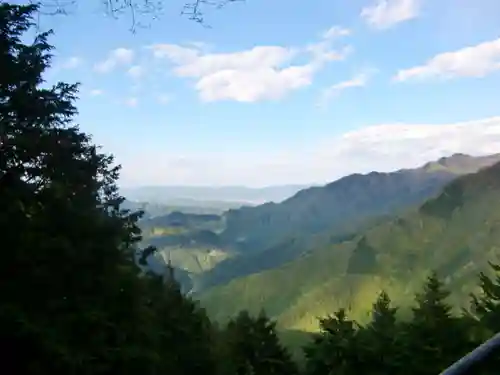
(455, 233)
(337, 245)
(269, 235)
(210, 196)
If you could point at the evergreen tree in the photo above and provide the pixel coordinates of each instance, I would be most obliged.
(486, 305)
(251, 346)
(185, 342)
(381, 339)
(485, 312)
(434, 338)
(71, 299)
(336, 349)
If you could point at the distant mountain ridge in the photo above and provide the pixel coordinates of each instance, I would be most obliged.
(455, 233)
(210, 195)
(255, 239)
(347, 200)
(462, 164)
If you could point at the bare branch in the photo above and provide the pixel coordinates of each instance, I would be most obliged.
(194, 10)
(54, 7)
(137, 10)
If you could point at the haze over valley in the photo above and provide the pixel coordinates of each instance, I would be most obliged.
(216, 252)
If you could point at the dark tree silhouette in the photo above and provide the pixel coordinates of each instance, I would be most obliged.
(73, 299)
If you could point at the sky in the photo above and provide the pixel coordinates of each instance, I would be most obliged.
(283, 91)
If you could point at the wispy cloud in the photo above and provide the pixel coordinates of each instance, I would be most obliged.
(136, 71)
(384, 14)
(132, 102)
(359, 80)
(164, 98)
(117, 57)
(72, 62)
(476, 61)
(378, 147)
(96, 92)
(259, 73)
(335, 32)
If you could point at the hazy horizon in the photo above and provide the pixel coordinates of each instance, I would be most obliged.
(328, 90)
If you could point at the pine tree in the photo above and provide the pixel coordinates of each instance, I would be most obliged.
(486, 306)
(71, 300)
(251, 346)
(485, 312)
(434, 338)
(185, 342)
(336, 349)
(381, 339)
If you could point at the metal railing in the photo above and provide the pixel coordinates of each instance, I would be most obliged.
(478, 355)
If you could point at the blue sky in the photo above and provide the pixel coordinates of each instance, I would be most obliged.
(284, 91)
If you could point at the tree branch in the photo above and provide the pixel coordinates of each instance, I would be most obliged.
(136, 9)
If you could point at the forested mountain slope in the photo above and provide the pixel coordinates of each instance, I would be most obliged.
(456, 234)
(344, 202)
(270, 235)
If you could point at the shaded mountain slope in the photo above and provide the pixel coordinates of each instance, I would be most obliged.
(183, 222)
(346, 201)
(455, 233)
(289, 249)
(270, 235)
(190, 241)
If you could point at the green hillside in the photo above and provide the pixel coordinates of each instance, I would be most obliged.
(189, 241)
(344, 202)
(270, 235)
(209, 246)
(193, 260)
(180, 222)
(455, 233)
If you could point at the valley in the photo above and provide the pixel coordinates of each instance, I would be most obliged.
(338, 245)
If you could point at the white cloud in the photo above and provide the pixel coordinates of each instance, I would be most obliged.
(136, 71)
(72, 63)
(260, 73)
(359, 80)
(336, 32)
(132, 102)
(200, 45)
(164, 98)
(119, 56)
(384, 14)
(476, 61)
(96, 92)
(378, 147)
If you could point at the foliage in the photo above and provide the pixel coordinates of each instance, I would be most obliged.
(74, 301)
(433, 333)
(426, 343)
(251, 346)
(486, 306)
(335, 348)
(382, 339)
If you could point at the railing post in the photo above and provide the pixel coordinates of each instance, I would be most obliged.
(477, 355)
